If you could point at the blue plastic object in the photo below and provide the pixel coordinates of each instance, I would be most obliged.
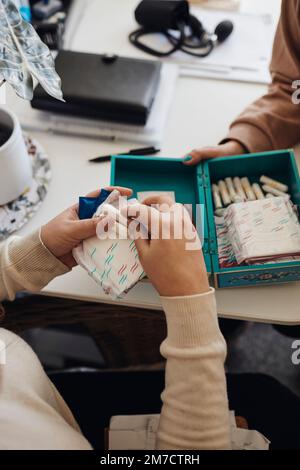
(89, 205)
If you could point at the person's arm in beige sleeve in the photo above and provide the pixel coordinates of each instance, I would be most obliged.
(26, 265)
(195, 412)
(273, 121)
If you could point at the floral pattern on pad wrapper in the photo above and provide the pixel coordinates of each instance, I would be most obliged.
(18, 212)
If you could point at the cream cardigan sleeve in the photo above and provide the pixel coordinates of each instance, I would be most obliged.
(26, 265)
(195, 413)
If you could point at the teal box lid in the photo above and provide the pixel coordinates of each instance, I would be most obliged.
(166, 174)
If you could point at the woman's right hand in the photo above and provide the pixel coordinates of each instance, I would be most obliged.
(174, 263)
(232, 147)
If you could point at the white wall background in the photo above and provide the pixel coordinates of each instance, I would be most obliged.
(2, 94)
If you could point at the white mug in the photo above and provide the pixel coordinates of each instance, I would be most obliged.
(15, 164)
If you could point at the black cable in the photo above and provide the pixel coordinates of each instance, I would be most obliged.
(136, 35)
(178, 43)
(208, 45)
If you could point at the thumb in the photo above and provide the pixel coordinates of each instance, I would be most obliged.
(204, 153)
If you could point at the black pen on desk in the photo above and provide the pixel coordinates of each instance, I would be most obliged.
(142, 152)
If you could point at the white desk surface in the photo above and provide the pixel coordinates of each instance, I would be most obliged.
(201, 113)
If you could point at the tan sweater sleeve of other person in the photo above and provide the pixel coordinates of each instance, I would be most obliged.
(273, 121)
(195, 413)
(26, 265)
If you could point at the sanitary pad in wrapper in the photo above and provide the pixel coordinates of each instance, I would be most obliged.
(113, 263)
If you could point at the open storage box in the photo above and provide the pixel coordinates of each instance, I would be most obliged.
(192, 185)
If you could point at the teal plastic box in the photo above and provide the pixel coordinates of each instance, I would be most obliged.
(192, 185)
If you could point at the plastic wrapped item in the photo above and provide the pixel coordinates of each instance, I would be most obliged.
(274, 184)
(111, 261)
(258, 191)
(89, 205)
(263, 230)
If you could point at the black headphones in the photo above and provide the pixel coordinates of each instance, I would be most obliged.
(164, 16)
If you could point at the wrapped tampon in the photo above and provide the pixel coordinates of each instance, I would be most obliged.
(239, 188)
(257, 191)
(224, 193)
(248, 190)
(274, 184)
(216, 197)
(220, 212)
(275, 192)
(232, 192)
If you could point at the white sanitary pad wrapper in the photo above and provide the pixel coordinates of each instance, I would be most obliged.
(263, 230)
(113, 263)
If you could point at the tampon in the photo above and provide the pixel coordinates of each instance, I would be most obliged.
(274, 184)
(248, 190)
(239, 189)
(231, 190)
(224, 193)
(220, 212)
(275, 192)
(257, 191)
(216, 196)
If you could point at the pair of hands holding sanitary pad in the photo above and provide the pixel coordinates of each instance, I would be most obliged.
(173, 269)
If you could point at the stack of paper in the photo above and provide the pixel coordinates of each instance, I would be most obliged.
(152, 133)
(244, 56)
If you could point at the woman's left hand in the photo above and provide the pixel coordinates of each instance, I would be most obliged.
(66, 231)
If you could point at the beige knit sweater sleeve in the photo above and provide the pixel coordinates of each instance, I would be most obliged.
(195, 413)
(26, 265)
(195, 410)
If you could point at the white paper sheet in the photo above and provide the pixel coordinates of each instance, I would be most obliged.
(244, 56)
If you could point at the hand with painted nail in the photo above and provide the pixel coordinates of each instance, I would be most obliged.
(230, 148)
(66, 231)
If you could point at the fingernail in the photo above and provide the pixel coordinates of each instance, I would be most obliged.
(188, 158)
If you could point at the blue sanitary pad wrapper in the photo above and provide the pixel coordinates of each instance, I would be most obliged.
(89, 205)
